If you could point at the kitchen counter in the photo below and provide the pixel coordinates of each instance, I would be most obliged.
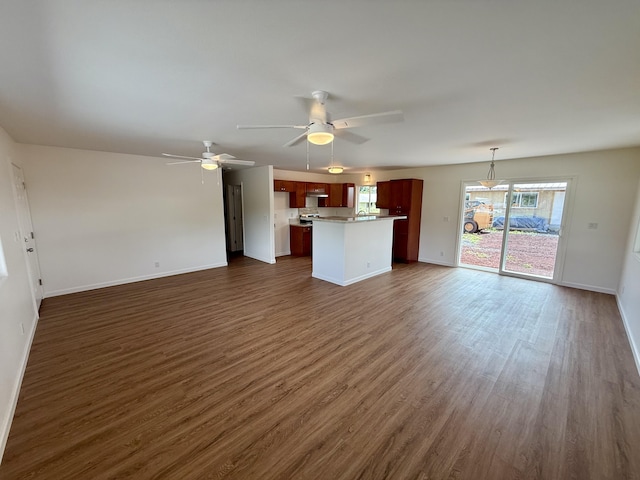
(359, 218)
(347, 250)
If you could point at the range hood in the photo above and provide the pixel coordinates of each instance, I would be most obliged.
(317, 194)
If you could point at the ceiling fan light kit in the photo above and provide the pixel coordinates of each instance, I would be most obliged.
(209, 160)
(491, 181)
(320, 133)
(209, 164)
(321, 129)
(336, 170)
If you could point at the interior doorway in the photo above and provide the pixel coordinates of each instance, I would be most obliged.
(27, 236)
(532, 212)
(233, 213)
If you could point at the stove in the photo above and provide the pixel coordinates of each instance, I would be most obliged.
(308, 217)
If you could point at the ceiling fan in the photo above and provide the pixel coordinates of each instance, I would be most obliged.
(209, 160)
(321, 129)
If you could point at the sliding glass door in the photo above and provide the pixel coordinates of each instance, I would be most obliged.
(514, 228)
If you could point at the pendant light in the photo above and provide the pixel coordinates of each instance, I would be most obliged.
(491, 181)
(333, 168)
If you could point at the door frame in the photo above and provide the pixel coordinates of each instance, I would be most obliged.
(31, 259)
(571, 181)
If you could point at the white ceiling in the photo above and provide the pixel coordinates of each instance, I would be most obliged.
(146, 77)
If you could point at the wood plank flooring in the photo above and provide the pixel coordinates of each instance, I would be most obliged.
(259, 371)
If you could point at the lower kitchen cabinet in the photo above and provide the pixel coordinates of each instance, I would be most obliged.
(300, 240)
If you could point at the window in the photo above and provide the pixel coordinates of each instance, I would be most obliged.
(367, 196)
(523, 199)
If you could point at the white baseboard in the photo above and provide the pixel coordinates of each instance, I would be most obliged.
(282, 254)
(122, 281)
(6, 422)
(591, 288)
(342, 283)
(635, 347)
(435, 262)
(260, 258)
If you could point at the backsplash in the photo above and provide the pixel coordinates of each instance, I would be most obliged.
(308, 210)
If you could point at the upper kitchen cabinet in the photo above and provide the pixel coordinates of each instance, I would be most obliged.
(406, 194)
(284, 186)
(298, 198)
(384, 195)
(321, 188)
(297, 192)
(340, 195)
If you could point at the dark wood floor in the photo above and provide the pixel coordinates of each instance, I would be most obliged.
(258, 371)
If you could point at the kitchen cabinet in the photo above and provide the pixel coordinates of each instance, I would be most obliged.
(317, 187)
(297, 192)
(298, 198)
(403, 197)
(383, 199)
(300, 240)
(340, 195)
(284, 186)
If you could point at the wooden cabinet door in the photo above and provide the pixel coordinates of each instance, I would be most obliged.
(284, 186)
(298, 197)
(300, 241)
(335, 195)
(384, 195)
(400, 240)
(318, 187)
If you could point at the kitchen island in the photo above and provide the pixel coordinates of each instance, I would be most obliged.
(347, 250)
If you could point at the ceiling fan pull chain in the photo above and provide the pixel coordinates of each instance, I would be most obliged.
(202, 175)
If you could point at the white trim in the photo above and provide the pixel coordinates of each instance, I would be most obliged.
(591, 288)
(283, 254)
(5, 427)
(635, 347)
(351, 280)
(123, 281)
(435, 262)
(257, 257)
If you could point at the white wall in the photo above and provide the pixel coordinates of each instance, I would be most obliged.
(604, 193)
(629, 289)
(16, 303)
(105, 218)
(257, 210)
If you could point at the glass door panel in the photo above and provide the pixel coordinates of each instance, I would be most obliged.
(534, 212)
(480, 241)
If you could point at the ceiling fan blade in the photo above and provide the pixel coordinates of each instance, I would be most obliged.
(350, 136)
(186, 161)
(296, 140)
(235, 161)
(242, 127)
(180, 156)
(223, 156)
(373, 119)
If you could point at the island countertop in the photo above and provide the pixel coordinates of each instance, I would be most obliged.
(361, 218)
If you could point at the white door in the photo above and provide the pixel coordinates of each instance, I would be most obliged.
(27, 236)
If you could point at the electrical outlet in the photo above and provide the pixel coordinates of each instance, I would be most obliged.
(445, 219)
(442, 254)
(592, 226)
(22, 328)
(368, 264)
(157, 264)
